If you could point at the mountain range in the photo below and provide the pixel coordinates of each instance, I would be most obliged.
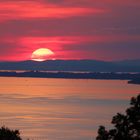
(74, 65)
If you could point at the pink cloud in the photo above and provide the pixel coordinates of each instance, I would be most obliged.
(31, 9)
(78, 39)
(67, 47)
(77, 29)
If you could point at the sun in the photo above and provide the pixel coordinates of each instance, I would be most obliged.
(42, 54)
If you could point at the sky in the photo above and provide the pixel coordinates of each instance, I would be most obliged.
(106, 30)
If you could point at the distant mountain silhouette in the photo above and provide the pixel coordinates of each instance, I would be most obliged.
(74, 65)
(135, 62)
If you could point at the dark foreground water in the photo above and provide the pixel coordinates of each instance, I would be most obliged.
(61, 109)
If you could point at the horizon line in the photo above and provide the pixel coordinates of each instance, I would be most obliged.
(7, 61)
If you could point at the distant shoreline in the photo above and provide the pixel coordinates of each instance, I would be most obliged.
(133, 78)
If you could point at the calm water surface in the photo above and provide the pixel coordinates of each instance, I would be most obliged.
(61, 109)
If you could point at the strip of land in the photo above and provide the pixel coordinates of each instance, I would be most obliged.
(133, 78)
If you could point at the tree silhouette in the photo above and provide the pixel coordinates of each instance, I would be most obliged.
(7, 134)
(127, 126)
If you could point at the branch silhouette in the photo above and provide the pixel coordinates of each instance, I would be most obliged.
(126, 126)
(7, 134)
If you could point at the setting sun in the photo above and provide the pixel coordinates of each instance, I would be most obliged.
(42, 54)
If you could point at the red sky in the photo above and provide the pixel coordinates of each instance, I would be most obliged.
(72, 29)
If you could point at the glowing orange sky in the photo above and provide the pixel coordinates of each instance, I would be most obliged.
(73, 29)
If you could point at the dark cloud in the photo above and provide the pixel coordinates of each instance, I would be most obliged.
(86, 25)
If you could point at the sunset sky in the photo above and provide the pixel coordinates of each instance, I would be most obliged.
(72, 29)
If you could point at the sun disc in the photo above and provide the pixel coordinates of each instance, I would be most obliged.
(42, 54)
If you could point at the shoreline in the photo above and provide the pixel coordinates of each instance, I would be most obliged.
(133, 78)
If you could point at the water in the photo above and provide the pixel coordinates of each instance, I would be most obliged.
(61, 109)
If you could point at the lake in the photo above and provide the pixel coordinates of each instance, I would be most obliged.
(61, 109)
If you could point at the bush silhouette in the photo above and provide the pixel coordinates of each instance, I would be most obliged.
(7, 134)
(126, 126)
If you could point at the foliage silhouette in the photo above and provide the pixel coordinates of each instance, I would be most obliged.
(127, 126)
(7, 134)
